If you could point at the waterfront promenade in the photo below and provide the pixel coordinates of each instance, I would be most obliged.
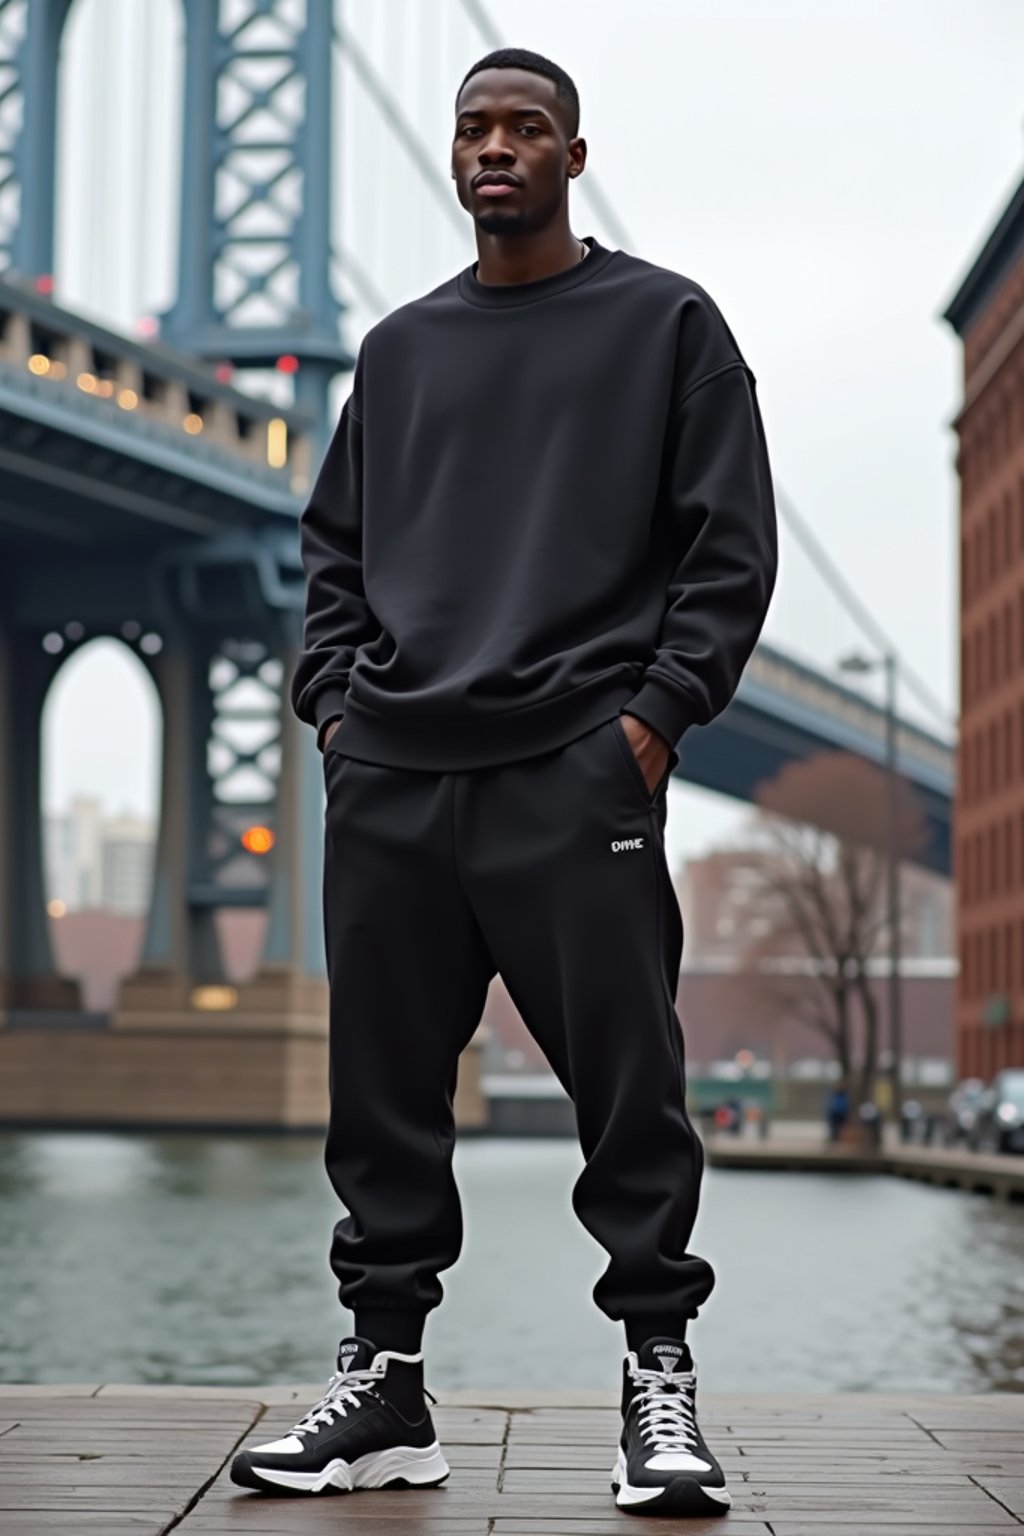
(801, 1148)
(151, 1460)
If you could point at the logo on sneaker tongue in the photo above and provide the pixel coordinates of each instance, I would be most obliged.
(667, 1355)
(346, 1354)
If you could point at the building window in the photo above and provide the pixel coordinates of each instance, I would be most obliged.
(1008, 748)
(1011, 969)
(1008, 854)
(1007, 638)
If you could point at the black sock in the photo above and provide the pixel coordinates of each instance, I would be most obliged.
(392, 1329)
(640, 1329)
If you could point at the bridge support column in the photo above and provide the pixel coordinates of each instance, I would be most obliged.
(28, 975)
(180, 949)
(209, 1051)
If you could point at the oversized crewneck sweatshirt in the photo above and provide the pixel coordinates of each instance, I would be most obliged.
(544, 504)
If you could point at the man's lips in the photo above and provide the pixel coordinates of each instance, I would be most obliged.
(496, 184)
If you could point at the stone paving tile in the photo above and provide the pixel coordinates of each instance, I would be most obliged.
(155, 1462)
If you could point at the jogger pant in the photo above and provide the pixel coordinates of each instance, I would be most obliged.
(551, 871)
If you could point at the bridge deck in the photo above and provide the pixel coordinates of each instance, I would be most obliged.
(153, 1459)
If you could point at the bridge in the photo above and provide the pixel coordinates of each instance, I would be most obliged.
(151, 489)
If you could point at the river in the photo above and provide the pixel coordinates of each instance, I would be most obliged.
(203, 1259)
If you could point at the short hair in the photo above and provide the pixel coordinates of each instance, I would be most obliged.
(524, 58)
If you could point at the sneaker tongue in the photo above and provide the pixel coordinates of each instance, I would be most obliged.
(667, 1355)
(355, 1354)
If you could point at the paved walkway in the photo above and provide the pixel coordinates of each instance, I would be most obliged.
(149, 1460)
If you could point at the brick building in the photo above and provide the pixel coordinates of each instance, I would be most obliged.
(987, 313)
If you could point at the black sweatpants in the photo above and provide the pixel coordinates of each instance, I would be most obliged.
(551, 871)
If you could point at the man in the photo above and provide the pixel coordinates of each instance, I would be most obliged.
(541, 546)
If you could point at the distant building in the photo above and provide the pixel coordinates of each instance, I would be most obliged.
(96, 862)
(715, 895)
(126, 865)
(987, 313)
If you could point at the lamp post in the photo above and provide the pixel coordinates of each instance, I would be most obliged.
(862, 664)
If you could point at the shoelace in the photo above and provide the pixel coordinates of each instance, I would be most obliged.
(665, 1412)
(342, 1393)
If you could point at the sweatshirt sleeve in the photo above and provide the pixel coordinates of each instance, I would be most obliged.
(338, 618)
(721, 509)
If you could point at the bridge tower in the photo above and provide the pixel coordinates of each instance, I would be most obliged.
(253, 288)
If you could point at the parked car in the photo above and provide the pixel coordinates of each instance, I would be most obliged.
(962, 1110)
(999, 1126)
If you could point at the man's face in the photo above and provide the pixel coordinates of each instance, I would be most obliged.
(510, 125)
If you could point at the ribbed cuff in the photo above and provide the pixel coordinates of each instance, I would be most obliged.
(662, 707)
(327, 706)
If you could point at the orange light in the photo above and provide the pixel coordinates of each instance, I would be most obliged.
(87, 381)
(257, 839)
(105, 387)
(56, 907)
(37, 363)
(127, 399)
(193, 423)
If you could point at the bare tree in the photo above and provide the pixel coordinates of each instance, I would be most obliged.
(815, 916)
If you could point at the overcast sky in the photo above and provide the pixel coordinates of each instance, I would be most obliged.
(825, 170)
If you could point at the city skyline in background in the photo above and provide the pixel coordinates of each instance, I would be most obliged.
(906, 127)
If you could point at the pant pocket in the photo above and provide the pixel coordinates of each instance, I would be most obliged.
(618, 731)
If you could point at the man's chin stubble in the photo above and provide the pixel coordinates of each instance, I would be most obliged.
(498, 223)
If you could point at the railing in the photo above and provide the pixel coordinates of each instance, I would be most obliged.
(52, 348)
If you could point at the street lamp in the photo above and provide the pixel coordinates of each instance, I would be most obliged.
(862, 664)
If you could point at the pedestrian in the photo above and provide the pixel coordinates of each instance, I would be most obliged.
(837, 1110)
(541, 546)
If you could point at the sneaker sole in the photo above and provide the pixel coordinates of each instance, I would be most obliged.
(681, 1495)
(400, 1466)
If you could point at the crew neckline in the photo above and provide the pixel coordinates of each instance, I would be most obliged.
(508, 295)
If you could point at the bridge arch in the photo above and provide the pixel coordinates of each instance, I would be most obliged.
(98, 845)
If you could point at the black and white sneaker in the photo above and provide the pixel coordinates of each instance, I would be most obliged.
(664, 1466)
(352, 1438)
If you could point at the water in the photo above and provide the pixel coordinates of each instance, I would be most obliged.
(188, 1259)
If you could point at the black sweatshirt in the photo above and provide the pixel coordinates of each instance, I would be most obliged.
(544, 504)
